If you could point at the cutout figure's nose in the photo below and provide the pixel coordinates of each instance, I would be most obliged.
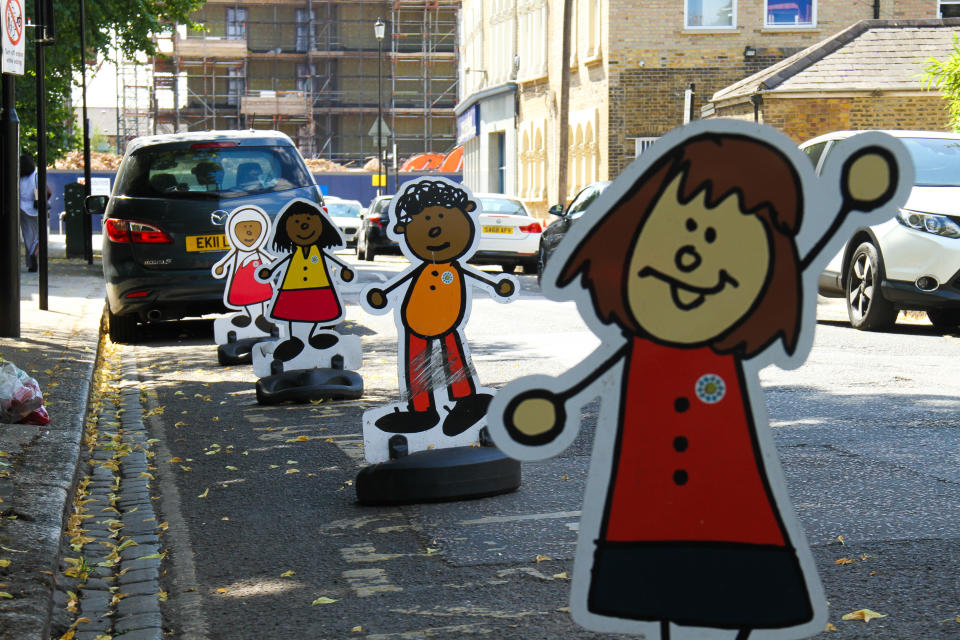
(434, 232)
(305, 226)
(687, 258)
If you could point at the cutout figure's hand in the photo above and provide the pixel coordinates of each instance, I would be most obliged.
(219, 270)
(869, 179)
(346, 274)
(505, 288)
(376, 299)
(264, 273)
(535, 417)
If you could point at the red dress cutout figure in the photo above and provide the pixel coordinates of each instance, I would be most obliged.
(247, 232)
(689, 264)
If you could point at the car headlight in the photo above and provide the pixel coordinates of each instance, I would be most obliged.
(928, 222)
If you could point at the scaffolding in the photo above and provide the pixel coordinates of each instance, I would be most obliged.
(134, 108)
(309, 68)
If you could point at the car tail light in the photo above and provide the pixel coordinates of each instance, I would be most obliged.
(376, 219)
(137, 294)
(533, 227)
(135, 232)
(212, 145)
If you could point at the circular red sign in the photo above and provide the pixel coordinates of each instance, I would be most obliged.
(13, 21)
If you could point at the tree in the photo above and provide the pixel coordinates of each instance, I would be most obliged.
(133, 22)
(946, 77)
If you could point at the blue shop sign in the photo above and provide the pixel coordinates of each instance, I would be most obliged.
(468, 124)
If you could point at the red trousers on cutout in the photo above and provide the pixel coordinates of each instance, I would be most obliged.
(458, 378)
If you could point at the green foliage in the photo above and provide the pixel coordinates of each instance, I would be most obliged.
(133, 22)
(946, 77)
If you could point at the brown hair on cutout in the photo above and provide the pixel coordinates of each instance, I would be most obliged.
(722, 165)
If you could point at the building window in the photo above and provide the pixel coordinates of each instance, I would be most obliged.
(236, 23)
(714, 14)
(790, 13)
(950, 8)
(305, 30)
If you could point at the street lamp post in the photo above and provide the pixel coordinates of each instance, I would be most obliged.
(378, 31)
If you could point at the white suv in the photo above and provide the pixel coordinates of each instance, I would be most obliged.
(911, 261)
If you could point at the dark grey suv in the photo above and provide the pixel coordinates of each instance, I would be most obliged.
(163, 225)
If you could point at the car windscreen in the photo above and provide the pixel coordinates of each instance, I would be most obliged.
(343, 209)
(935, 160)
(502, 206)
(226, 172)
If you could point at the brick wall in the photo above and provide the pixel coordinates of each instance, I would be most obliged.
(805, 118)
(652, 58)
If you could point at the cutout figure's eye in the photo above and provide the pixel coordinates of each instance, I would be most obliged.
(710, 234)
(691, 224)
(440, 216)
(427, 218)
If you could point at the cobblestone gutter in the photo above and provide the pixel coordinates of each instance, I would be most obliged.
(109, 582)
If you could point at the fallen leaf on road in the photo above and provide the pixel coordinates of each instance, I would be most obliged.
(221, 590)
(844, 561)
(543, 558)
(287, 574)
(174, 460)
(291, 462)
(830, 627)
(12, 550)
(205, 492)
(185, 468)
(863, 614)
(323, 600)
(841, 539)
(180, 424)
(4, 563)
(561, 576)
(357, 629)
(430, 551)
(292, 470)
(299, 439)
(274, 466)
(4, 594)
(231, 467)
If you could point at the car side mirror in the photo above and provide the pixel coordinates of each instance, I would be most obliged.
(556, 210)
(96, 205)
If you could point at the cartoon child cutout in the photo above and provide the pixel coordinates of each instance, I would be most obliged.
(434, 223)
(306, 295)
(248, 229)
(696, 268)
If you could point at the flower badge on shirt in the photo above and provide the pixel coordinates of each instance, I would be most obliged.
(711, 388)
(314, 259)
(447, 277)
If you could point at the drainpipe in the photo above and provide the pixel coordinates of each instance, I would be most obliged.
(876, 9)
(756, 100)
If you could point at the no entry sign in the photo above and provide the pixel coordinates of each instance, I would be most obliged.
(13, 40)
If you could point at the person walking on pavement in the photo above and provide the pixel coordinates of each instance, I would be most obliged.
(28, 210)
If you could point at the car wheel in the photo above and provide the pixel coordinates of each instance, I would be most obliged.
(508, 268)
(530, 268)
(369, 255)
(944, 319)
(867, 309)
(122, 328)
(541, 263)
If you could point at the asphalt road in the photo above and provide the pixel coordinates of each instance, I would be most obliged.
(263, 523)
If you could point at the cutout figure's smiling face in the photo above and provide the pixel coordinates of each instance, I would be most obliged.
(247, 232)
(694, 271)
(439, 234)
(304, 229)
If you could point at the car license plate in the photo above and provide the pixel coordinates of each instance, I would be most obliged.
(214, 242)
(496, 229)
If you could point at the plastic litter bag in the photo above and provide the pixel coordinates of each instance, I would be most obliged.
(20, 397)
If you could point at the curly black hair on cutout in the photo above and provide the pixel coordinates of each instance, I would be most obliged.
(430, 193)
(329, 236)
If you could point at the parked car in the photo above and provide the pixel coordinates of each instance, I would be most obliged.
(164, 221)
(346, 215)
(509, 235)
(372, 239)
(911, 261)
(554, 233)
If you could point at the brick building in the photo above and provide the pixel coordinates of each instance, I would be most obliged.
(637, 70)
(865, 77)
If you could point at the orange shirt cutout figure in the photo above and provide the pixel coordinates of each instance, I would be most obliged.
(696, 268)
(435, 222)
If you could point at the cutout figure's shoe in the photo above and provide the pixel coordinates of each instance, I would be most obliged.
(264, 325)
(288, 349)
(323, 341)
(240, 321)
(466, 413)
(409, 421)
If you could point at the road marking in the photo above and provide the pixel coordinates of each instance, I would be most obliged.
(368, 582)
(366, 552)
(520, 518)
(351, 444)
(434, 632)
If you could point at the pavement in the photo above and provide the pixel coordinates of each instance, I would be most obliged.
(38, 464)
(56, 476)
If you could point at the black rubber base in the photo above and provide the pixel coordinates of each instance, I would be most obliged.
(304, 385)
(239, 351)
(438, 475)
